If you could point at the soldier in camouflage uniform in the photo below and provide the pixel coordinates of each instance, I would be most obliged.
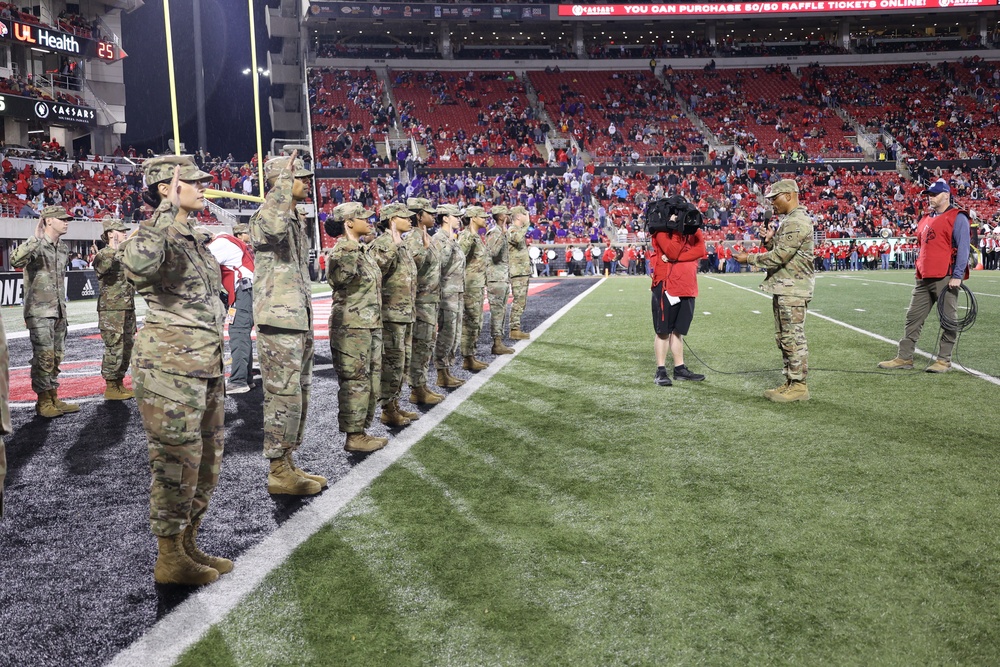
(177, 366)
(498, 277)
(474, 250)
(115, 310)
(282, 309)
(355, 324)
(452, 294)
(44, 258)
(789, 265)
(520, 269)
(399, 292)
(426, 257)
(5, 427)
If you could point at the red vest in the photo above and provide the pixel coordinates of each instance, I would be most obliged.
(228, 274)
(936, 256)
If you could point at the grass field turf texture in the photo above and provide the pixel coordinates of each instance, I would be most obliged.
(571, 512)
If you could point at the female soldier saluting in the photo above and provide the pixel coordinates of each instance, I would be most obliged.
(177, 366)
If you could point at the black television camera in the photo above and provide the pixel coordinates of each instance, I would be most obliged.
(673, 214)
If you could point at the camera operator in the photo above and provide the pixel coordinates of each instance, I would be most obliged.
(678, 250)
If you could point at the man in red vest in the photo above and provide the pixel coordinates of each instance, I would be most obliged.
(942, 265)
(235, 258)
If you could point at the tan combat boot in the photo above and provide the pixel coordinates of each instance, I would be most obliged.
(424, 396)
(409, 414)
(517, 334)
(319, 479)
(392, 417)
(447, 380)
(939, 366)
(282, 480)
(793, 391)
(46, 408)
(63, 406)
(116, 391)
(362, 442)
(470, 363)
(189, 540)
(896, 364)
(499, 347)
(777, 390)
(174, 566)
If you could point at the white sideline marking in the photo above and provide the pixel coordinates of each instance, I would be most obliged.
(910, 285)
(871, 334)
(164, 643)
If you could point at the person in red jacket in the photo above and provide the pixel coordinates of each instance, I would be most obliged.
(675, 286)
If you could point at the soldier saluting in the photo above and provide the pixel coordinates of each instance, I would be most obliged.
(115, 310)
(44, 258)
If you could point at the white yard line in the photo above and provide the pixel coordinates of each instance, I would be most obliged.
(910, 285)
(164, 643)
(971, 371)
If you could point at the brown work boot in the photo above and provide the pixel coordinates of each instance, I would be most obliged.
(392, 417)
(174, 565)
(470, 363)
(424, 396)
(362, 442)
(777, 390)
(189, 540)
(896, 364)
(116, 391)
(939, 366)
(517, 334)
(447, 380)
(63, 406)
(44, 407)
(282, 480)
(793, 391)
(409, 414)
(499, 347)
(319, 479)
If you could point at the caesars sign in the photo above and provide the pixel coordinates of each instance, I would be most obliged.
(46, 111)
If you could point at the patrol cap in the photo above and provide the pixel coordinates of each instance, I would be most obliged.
(276, 165)
(350, 211)
(241, 229)
(449, 209)
(55, 212)
(519, 210)
(500, 208)
(781, 187)
(475, 212)
(113, 225)
(420, 204)
(395, 211)
(937, 187)
(161, 169)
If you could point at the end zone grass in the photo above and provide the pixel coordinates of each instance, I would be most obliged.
(573, 513)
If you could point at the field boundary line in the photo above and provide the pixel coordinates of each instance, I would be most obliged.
(167, 640)
(871, 334)
(910, 285)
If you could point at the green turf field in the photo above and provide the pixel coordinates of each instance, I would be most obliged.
(573, 513)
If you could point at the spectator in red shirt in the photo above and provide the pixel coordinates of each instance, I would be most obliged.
(675, 286)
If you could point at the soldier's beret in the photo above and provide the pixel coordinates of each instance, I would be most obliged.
(350, 211)
(55, 212)
(276, 165)
(781, 187)
(161, 169)
(395, 211)
(420, 204)
(113, 225)
(475, 212)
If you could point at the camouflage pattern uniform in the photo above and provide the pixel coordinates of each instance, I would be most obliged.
(428, 296)
(452, 294)
(789, 265)
(355, 325)
(115, 307)
(497, 274)
(177, 364)
(474, 250)
(44, 264)
(282, 309)
(520, 269)
(5, 426)
(399, 292)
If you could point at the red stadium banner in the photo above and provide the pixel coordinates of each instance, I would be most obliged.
(764, 8)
